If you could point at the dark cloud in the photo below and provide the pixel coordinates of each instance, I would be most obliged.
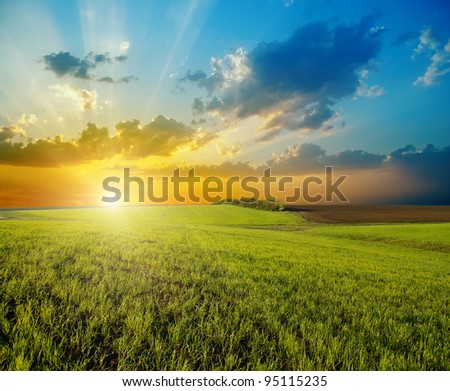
(355, 159)
(314, 117)
(310, 158)
(99, 58)
(6, 133)
(161, 137)
(293, 83)
(65, 64)
(127, 79)
(106, 79)
(196, 77)
(210, 83)
(427, 163)
(426, 169)
(122, 58)
(94, 143)
(430, 163)
(198, 107)
(48, 152)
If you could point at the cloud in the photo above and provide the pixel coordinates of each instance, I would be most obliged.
(314, 116)
(126, 79)
(365, 90)
(427, 41)
(430, 163)
(161, 137)
(39, 153)
(198, 121)
(292, 84)
(200, 138)
(124, 46)
(232, 150)
(225, 72)
(94, 143)
(425, 169)
(25, 121)
(308, 158)
(106, 79)
(428, 169)
(65, 64)
(83, 99)
(439, 56)
(122, 58)
(7, 133)
(377, 30)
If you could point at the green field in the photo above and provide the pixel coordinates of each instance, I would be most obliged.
(220, 288)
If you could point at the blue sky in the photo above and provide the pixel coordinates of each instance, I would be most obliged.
(225, 81)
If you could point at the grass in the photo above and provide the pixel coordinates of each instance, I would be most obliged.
(198, 288)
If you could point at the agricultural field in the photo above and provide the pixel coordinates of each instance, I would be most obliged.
(220, 288)
(362, 214)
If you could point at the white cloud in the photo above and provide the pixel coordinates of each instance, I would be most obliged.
(364, 89)
(377, 29)
(439, 56)
(225, 150)
(27, 121)
(447, 47)
(226, 72)
(428, 41)
(233, 68)
(84, 99)
(124, 47)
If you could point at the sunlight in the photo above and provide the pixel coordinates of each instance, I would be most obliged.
(192, 9)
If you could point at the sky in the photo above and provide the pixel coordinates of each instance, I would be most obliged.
(227, 87)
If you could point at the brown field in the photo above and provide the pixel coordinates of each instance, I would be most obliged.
(350, 214)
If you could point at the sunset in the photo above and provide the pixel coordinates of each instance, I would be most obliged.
(91, 87)
(212, 193)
